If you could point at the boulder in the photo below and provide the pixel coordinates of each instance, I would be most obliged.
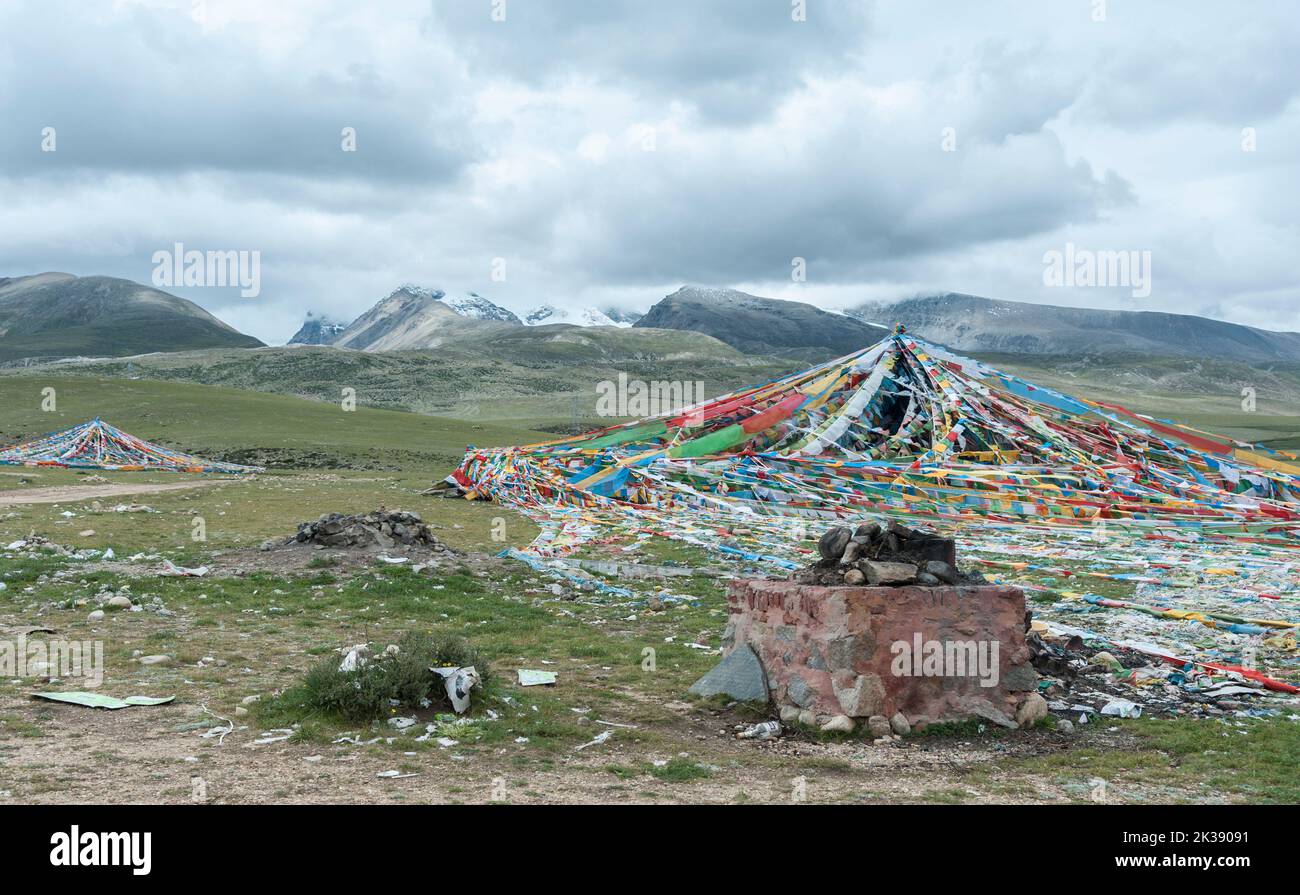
(838, 724)
(832, 544)
(739, 675)
(888, 574)
(1031, 711)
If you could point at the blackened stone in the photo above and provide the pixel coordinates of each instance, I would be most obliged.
(832, 544)
(941, 570)
(867, 533)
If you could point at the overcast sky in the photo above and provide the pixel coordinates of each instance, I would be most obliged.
(612, 151)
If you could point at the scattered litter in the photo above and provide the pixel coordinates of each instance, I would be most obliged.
(356, 741)
(219, 732)
(171, 570)
(600, 738)
(356, 657)
(459, 681)
(273, 736)
(1122, 708)
(764, 730)
(102, 701)
(394, 775)
(531, 678)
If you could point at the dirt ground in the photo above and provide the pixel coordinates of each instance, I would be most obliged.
(254, 625)
(74, 493)
(145, 755)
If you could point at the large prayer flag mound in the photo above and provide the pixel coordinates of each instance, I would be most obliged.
(1122, 528)
(907, 427)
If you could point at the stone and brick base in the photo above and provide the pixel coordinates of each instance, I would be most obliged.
(829, 652)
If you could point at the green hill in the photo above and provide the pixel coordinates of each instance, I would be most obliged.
(248, 426)
(59, 315)
(533, 376)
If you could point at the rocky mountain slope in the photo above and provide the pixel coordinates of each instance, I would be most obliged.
(478, 307)
(762, 325)
(974, 324)
(410, 318)
(317, 331)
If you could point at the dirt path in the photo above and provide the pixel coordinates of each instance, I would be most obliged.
(74, 493)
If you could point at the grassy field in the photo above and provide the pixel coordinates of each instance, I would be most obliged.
(546, 378)
(539, 375)
(238, 643)
(248, 426)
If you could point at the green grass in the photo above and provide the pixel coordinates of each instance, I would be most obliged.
(216, 422)
(243, 512)
(405, 681)
(1252, 761)
(675, 770)
(680, 770)
(536, 376)
(19, 726)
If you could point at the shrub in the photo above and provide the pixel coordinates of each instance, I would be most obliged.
(370, 691)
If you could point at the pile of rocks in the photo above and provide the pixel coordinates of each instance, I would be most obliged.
(889, 556)
(381, 529)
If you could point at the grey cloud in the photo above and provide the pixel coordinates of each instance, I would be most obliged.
(855, 189)
(733, 59)
(149, 91)
(1238, 81)
(775, 139)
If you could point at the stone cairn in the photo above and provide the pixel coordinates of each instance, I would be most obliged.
(381, 529)
(892, 556)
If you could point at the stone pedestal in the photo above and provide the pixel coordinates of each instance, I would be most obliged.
(929, 653)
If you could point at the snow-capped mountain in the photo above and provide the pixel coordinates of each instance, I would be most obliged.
(622, 316)
(317, 330)
(546, 314)
(413, 317)
(476, 306)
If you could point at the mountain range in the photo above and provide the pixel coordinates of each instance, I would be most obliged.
(971, 323)
(61, 315)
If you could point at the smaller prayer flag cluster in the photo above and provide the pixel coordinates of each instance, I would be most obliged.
(97, 445)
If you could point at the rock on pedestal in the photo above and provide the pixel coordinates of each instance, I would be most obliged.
(931, 654)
